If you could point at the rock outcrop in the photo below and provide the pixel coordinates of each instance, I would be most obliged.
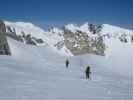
(4, 47)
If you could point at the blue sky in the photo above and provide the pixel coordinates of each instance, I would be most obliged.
(58, 12)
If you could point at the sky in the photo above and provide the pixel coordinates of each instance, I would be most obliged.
(59, 12)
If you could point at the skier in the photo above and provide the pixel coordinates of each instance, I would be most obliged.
(88, 72)
(67, 63)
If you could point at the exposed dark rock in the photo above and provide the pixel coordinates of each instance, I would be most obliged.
(4, 47)
(2, 27)
(59, 45)
(81, 43)
(29, 40)
(123, 38)
(40, 41)
(132, 38)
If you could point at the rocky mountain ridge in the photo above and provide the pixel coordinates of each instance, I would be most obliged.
(75, 39)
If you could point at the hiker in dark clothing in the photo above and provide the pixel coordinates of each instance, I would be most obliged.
(88, 72)
(67, 63)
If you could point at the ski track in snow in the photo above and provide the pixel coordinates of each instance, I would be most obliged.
(43, 76)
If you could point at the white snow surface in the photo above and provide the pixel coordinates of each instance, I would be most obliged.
(39, 73)
(35, 31)
(119, 56)
(26, 27)
(74, 28)
(50, 38)
(85, 28)
(116, 32)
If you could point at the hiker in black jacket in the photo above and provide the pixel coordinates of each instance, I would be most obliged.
(88, 72)
(67, 63)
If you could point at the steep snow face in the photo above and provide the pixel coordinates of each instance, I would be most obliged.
(57, 41)
(50, 38)
(27, 53)
(118, 52)
(26, 27)
(116, 32)
(55, 35)
(119, 39)
(119, 56)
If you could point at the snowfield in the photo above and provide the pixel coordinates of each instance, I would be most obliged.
(39, 73)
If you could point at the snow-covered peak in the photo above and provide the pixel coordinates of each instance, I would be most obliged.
(21, 24)
(50, 38)
(85, 27)
(72, 27)
(115, 30)
(26, 27)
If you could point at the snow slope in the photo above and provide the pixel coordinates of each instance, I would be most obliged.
(35, 31)
(51, 38)
(115, 30)
(119, 56)
(38, 73)
(27, 28)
